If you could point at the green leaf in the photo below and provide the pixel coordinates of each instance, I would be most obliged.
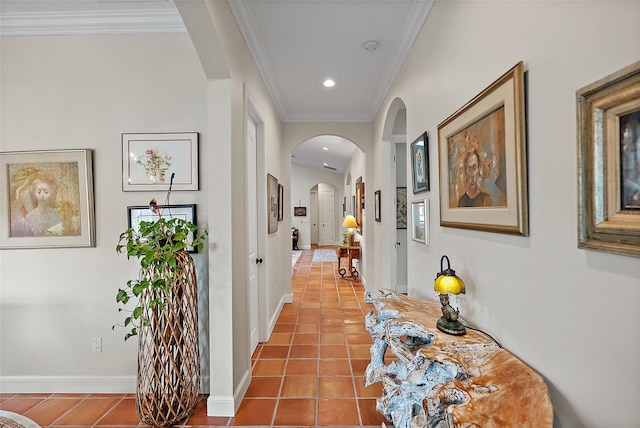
(139, 287)
(137, 312)
(122, 296)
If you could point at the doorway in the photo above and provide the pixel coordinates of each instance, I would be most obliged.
(256, 226)
(395, 237)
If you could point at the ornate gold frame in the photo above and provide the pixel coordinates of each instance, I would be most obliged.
(604, 223)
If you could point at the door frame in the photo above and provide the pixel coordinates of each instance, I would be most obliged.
(251, 113)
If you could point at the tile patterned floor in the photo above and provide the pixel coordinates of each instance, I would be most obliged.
(309, 374)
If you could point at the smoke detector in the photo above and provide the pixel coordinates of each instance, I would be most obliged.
(371, 46)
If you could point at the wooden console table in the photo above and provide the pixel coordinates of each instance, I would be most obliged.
(349, 252)
(447, 381)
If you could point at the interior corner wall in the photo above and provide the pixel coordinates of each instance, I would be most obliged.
(70, 92)
(277, 266)
(548, 302)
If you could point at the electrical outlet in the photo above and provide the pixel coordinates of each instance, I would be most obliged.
(96, 344)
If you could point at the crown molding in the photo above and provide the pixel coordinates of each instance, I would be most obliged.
(90, 22)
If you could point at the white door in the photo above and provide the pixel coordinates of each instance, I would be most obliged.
(252, 209)
(313, 217)
(327, 203)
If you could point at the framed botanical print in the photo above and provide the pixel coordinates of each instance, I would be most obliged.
(47, 199)
(157, 161)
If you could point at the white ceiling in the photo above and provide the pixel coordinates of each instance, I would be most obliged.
(296, 44)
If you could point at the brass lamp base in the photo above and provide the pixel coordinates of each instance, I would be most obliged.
(453, 327)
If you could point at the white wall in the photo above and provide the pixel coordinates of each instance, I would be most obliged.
(544, 299)
(303, 179)
(83, 92)
(231, 369)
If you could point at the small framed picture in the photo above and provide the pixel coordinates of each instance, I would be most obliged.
(401, 207)
(300, 211)
(420, 164)
(47, 199)
(157, 161)
(280, 202)
(272, 200)
(186, 212)
(420, 221)
(377, 205)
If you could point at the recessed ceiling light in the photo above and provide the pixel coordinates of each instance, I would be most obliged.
(329, 83)
(325, 148)
(325, 164)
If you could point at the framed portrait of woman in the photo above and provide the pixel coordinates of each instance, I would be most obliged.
(49, 199)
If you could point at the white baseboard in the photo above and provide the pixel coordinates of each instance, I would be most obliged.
(221, 406)
(75, 384)
(68, 384)
(228, 406)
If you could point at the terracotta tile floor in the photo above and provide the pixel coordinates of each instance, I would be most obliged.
(309, 374)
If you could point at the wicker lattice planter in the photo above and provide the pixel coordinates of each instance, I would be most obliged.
(168, 356)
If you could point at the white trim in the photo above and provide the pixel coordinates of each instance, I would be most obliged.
(227, 406)
(76, 384)
(90, 22)
(68, 384)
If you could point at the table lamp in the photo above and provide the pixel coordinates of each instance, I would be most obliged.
(351, 224)
(448, 283)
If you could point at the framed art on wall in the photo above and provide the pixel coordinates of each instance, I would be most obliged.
(156, 161)
(420, 164)
(609, 163)
(47, 199)
(401, 207)
(359, 201)
(420, 221)
(482, 157)
(272, 203)
(186, 212)
(300, 211)
(377, 205)
(280, 202)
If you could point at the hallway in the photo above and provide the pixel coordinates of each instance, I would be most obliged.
(309, 374)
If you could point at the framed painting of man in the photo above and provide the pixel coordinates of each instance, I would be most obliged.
(47, 199)
(609, 163)
(482, 158)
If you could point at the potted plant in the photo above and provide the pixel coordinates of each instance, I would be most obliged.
(164, 317)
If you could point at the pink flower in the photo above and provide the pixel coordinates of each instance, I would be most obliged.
(149, 151)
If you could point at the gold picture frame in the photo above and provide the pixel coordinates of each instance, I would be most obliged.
(482, 160)
(47, 199)
(609, 163)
